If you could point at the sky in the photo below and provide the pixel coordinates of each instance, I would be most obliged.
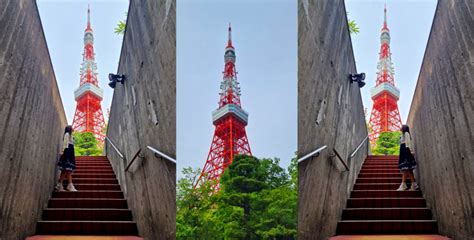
(410, 23)
(63, 24)
(264, 35)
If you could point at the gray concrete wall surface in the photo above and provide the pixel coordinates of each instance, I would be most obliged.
(441, 119)
(143, 113)
(330, 112)
(32, 119)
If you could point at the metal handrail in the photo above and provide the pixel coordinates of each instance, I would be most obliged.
(162, 154)
(317, 151)
(116, 149)
(133, 159)
(340, 159)
(358, 147)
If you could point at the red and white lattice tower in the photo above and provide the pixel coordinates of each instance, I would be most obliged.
(230, 119)
(385, 116)
(88, 116)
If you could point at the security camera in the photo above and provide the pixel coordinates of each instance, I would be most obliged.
(115, 78)
(359, 78)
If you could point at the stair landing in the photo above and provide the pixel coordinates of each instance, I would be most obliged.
(63, 237)
(390, 237)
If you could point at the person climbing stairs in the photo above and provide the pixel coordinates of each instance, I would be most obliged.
(97, 208)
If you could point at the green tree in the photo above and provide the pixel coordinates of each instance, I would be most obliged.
(388, 143)
(261, 196)
(196, 208)
(257, 200)
(85, 144)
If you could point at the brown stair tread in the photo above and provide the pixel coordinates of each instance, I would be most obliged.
(390, 237)
(386, 214)
(388, 220)
(87, 203)
(87, 214)
(387, 227)
(87, 227)
(89, 193)
(76, 237)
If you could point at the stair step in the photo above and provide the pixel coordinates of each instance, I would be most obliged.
(91, 158)
(372, 162)
(379, 180)
(385, 202)
(379, 175)
(370, 166)
(385, 237)
(94, 167)
(376, 186)
(87, 186)
(93, 180)
(92, 162)
(87, 227)
(93, 175)
(384, 194)
(382, 157)
(386, 214)
(89, 194)
(94, 214)
(94, 237)
(90, 171)
(87, 203)
(380, 170)
(387, 227)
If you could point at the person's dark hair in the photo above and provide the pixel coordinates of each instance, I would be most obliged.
(68, 129)
(405, 129)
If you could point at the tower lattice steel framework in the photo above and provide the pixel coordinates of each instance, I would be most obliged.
(230, 119)
(385, 116)
(88, 116)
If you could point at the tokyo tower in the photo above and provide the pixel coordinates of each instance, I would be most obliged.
(230, 119)
(385, 116)
(88, 116)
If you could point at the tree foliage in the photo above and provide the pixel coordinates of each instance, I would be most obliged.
(121, 25)
(85, 144)
(257, 200)
(388, 143)
(353, 28)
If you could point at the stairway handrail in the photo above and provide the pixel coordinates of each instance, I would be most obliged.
(317, 151)
(358, 147)
(340, 159)
(113, 145)
(162, 154)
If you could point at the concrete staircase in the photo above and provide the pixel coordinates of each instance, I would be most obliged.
(375, 207)
(97, 208)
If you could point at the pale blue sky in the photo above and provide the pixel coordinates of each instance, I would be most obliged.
(265, 38)
(64, 23)
(409, 22)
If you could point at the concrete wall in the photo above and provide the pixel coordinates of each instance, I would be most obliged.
(32, 119)
(442, 119)
(143, 113)
(330, 112)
